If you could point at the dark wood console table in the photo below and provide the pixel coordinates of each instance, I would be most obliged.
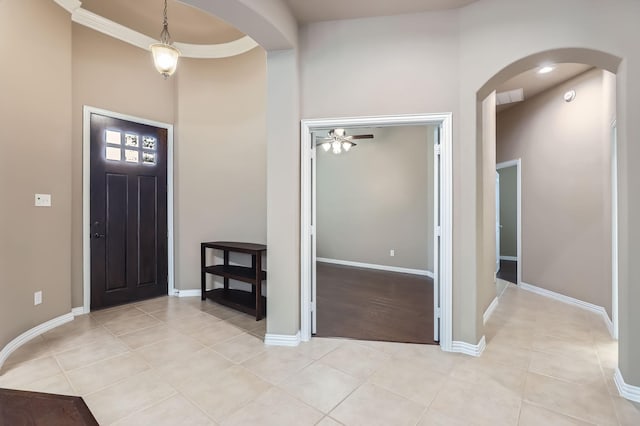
(250, 302)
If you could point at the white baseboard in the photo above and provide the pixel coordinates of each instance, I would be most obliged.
(32, 333)
(422, 272)
(571, 301)
(492, 307)
(627, 391)
(78, 311)
(282, 339)
(511, 258)
(188, 293)
(468, 348)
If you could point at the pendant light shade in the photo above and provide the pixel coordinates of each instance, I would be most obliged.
(165, 56)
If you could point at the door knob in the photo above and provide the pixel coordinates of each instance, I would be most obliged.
(96, 235)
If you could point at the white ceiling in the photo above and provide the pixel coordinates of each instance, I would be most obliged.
(328, 10)
(534, 83)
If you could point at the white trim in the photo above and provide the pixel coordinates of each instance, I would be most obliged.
(188, 293)
(446, 210)
(126, 34)
(509, 258)
(468, 348)
(627, 391)
(518, 164)
(282, 339)
(78, 311)
(571, 301)
(32, 333)
(422, 272)
(614, 228)
(69, 5)
(216, 51)
(492, 307)
(86, 177)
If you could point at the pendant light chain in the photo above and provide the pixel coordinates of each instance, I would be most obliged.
(165, 37)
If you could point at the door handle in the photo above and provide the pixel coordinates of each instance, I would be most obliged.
(96, 236)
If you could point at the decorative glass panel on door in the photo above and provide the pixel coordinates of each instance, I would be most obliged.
(148, 142)
(131, 156)
(113, 137)
(131, 140)
(113, 153)
(148, 158)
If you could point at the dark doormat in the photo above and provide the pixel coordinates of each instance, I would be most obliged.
(19, 408)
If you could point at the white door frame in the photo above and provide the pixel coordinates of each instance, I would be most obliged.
(446, 210)
(86, 181)
(518, 164)
(614, 229)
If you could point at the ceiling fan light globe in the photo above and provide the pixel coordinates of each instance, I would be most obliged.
(326, 146)
(346, 146)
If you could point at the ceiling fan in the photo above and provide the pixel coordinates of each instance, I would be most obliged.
(337, 140)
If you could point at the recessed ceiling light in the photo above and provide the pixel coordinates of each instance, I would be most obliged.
(545, 70)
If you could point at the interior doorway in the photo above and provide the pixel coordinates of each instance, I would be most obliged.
(442, 232)
(375, 233)
(562, 132)
(508, 208)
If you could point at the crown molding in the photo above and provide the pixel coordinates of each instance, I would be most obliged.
(187, 50)
(69, 5)
(213, 51)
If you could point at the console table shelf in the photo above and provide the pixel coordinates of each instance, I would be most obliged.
(249, 302)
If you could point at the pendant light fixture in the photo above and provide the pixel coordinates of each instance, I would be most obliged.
(165, 56)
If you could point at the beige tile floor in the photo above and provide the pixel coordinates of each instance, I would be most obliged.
(176, 361)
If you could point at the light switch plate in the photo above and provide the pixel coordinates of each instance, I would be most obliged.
(43, 200)
(37, 298)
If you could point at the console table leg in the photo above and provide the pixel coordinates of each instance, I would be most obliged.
(203, 275)
(258, 287)
(226, 262)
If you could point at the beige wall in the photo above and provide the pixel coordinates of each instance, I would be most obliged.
(397, 65)
(486, 231)
(566, 188)
(220, 157)
(35, 117)
(509, 211)
(118, 77)
(378, 197)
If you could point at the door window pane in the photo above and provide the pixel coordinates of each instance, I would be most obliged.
(113, 153)
(148, 142)
(131, 156)
(131, 140)
(148, 158)
(113, 137)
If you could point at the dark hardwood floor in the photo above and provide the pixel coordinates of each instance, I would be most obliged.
(508, 271)
(368, 304)
(20, 408)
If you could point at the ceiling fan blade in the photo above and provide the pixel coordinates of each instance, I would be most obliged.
(361, 137)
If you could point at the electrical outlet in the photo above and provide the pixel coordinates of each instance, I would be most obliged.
(392, 252)
(37, 298)
(43, 200)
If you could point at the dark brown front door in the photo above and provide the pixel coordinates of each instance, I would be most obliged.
(128, 211)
